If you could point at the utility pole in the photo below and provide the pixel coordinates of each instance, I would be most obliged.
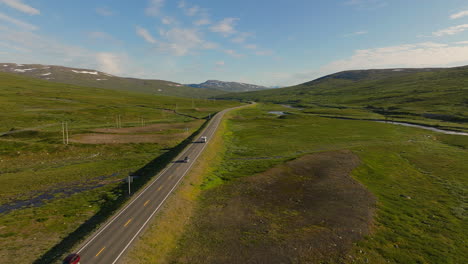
(129, 180)
(66, 131)
(63, 132)
(118, 121)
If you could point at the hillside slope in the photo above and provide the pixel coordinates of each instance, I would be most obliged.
(27, 102)
(93, 78)
(430, 93)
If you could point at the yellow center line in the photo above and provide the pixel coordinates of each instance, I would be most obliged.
(146, 203)
(128, 222)
(100, 251)
(160, 187)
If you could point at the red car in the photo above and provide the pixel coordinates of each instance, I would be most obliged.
(72, 259)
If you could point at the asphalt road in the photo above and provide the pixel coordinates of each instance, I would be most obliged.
(110, 242)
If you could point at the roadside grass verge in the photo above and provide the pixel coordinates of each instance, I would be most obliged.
(418, 177)
(164, 231)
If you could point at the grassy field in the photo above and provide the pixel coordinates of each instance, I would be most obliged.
(438, 97)
(68, 185)
(418, 178)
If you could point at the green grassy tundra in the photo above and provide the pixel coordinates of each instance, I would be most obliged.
(418, 178)
(436, 97)
(82, 181)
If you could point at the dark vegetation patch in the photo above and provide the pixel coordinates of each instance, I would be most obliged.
(307, 210)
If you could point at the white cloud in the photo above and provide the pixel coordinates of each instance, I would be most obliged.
(451, 30)
(418, 55)
(104, 11)
(426, 54)
(154, 7)
(17, 22)
(167, 20)
(462, 42)
(459, 14)
(202, 22)
(220, 63)
(241, 37)
(34, 48)
(109, 62)
(182, 41)
(225, 27)
(20, 6)
(142, 32)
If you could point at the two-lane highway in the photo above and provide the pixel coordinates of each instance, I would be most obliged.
(109, 242)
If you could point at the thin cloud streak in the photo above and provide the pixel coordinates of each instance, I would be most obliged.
(154, 7)
(18, 22)
(20, 6)
(459, 15)
(225, 27)
(451, 30)
(144, 33)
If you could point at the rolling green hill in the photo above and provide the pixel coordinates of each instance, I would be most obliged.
(28, 102)
(93, 78)
(49, 189)
(429, 94)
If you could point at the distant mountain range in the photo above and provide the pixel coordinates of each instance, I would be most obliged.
(228, 86)
(93, 78)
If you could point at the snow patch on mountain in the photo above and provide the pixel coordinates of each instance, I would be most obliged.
(23, 70)
(86, 72)
(228, 86)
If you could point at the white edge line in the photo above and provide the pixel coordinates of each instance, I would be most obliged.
(144, 190)
(133, 200)
(160, 204)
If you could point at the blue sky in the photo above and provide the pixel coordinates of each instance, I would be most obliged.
(266, 42)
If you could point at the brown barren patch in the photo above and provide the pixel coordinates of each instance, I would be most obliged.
(151, 128)
(145, 134)
(124, 139)
(309, 210)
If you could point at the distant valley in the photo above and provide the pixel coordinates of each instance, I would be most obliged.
(228, 86)
(424, 94)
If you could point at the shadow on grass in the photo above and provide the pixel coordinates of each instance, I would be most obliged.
(145, 174)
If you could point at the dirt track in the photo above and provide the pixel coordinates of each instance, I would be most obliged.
(306, 211)
(156, 133)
